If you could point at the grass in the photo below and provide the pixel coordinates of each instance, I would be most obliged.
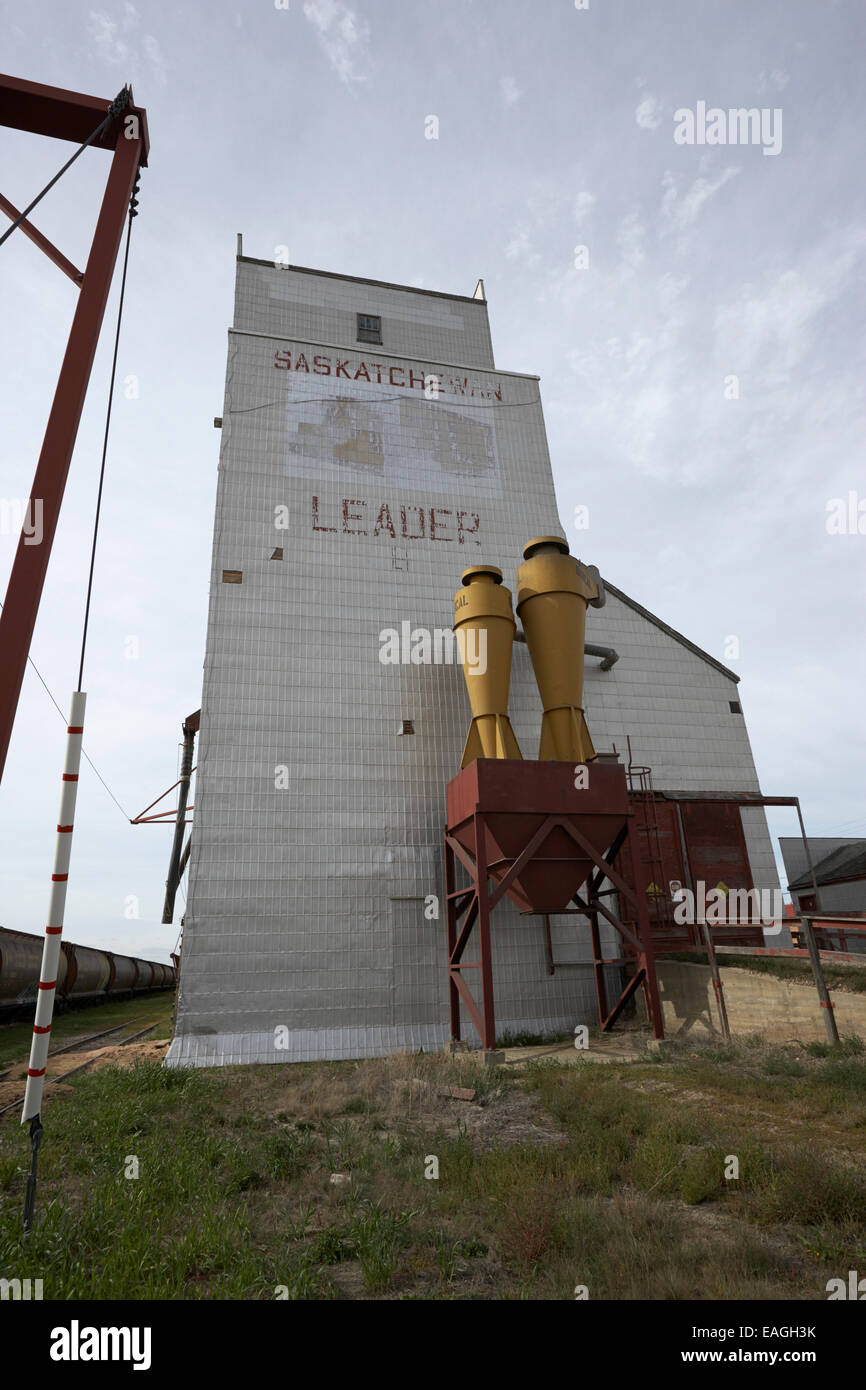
(852, 1046)
(525, 1039)
(848, 977)
(714, 1173)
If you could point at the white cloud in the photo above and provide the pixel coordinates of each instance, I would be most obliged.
(583, 206)
(776, 80)
(772, 330)
(519, 248)
(344, 38)
(509, 91)
(106, 40)
(154, 53)
(629, 239)
(650, 380)
(649, 114)
(681, 212)
(117, 43)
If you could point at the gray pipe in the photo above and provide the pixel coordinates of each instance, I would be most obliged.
(611, 657)
(174, 870)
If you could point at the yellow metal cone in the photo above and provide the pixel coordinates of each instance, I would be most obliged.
(484, 624)
(553, 590)
(565, 737)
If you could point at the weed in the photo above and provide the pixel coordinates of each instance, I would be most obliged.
(529, 1229)
(805, 1186)
(851, 977)
(11, 1174)
(378, 1236)
(286, 1155)
(783, 1066)
(330, 1246)
(848, 1046)
(525, 1039)
(305, 1283)
(470, 1247)
(446, 1257)
(836, 1245)
(701, 1175)
(243, 1174)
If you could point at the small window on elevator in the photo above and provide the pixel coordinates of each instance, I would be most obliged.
(369, 328)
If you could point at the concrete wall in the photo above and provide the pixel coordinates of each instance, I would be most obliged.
(778, 1009)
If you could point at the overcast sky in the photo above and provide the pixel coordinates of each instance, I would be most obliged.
(701, 360)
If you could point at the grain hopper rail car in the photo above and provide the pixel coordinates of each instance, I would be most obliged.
(86, 975)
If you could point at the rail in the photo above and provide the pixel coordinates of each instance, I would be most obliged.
(73, 1071)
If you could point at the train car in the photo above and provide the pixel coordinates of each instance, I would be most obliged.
(85, 974)
(145, 977)
(123, 973)
(20, 959)
(88, 973)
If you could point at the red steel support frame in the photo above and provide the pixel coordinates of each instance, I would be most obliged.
(51, 111)
(641, 945)
(476, 903)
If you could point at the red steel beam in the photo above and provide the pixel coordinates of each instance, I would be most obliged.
(482, 904)
(41, 241)
(451, 928)
(67, 116)
(64, 115)
(170, 811)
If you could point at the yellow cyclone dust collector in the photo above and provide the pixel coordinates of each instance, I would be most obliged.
(484, 624)
(553, 590)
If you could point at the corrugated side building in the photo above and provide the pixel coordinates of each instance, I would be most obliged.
(840, 873)
(371, 450)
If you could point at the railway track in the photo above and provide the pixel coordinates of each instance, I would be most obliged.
(79, 1046)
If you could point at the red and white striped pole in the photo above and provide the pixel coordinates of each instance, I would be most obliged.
(51, 949)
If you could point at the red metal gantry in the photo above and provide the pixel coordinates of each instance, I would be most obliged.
(547, 841)
(51, 111)
(531, 829)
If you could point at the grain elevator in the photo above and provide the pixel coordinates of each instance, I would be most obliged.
(371, 454)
